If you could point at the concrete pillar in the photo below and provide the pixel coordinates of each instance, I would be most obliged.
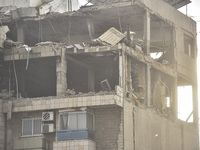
(147, 52)
(122, 70)
(61, 70)
(195, 105)
(174, 105)
(147, 33)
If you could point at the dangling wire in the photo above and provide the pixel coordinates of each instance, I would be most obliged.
(9, 80)
(69, 30)
(40, 31)
(163, 34)
(52, 28)
(120, 24)
(41, 35)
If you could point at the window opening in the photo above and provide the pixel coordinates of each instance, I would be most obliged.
(92, 73)
(185, 103)
(162, 87)
(189, 46)
(31, 127)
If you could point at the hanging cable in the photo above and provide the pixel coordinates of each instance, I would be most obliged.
(69, 31)
(163, 34)
(9, 80)
(166, 87)
(15, 73)
(41, 35)
(27, 62)
(40, 30)
(52, 28)
(28, 49)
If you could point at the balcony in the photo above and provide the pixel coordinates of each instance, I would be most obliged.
(63, 135)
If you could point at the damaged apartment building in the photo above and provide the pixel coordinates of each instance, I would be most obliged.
(106, 75)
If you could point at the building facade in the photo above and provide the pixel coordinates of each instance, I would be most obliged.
(102, 77)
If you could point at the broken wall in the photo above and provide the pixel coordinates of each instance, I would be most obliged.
(186, 64)
(129, 135)
(108, 128)
(172, 16)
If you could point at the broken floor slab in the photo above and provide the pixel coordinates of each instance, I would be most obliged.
(39, 51)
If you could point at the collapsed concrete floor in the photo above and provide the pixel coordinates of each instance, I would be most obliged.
(107, 76)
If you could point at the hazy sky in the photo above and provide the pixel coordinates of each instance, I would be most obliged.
(193, 11)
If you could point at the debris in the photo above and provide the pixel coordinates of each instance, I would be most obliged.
(6, 95)
(7, 9)
(69, 46)
(28, 49)
(9, 44)
(70, 92)
(3, 31)
(79, 46)
(46, 43)
(165, 62)
(131, 42)
(27, 12)
(105, 85)
(95, 42)
(138, 48)
(134, 96)
(129, 37)
(111, 37)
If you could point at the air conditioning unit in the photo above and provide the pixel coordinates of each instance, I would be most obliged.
(48, 128)
(47, 116)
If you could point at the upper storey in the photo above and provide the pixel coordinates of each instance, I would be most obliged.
(169, 32)
(75, 3)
